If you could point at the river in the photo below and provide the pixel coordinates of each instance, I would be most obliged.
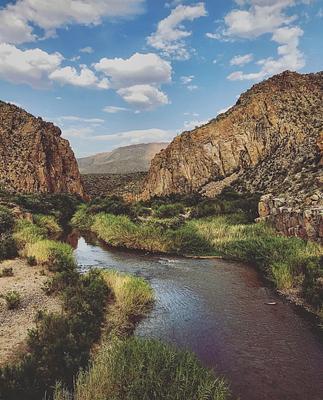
(220, 311)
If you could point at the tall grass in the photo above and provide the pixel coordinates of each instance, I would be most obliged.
(144, 369)
(48, 223)
(27, 233)
(133, 297)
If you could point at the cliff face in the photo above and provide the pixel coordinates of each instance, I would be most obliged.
(268, 142)
(33, 156)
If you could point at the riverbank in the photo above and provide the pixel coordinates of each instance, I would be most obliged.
(294, 266)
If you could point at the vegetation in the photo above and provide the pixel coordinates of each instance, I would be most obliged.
(7, 244)
(7, 271)
(145, 369)
(13, 299)
(48, 223)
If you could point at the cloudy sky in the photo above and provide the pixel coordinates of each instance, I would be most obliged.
(118, 72)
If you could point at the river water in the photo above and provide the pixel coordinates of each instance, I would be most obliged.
(219, 310)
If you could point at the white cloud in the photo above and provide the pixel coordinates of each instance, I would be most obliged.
(58, 98)
(189, 125)
(223, 110)
(87, 49)
(18, 20)
(241, 60)
(75, 132)
(139, 69)
(143, 97)
(171, 34)
(192, 87)
(74, 118)
(84, 78)
(30, 67)
(138, 136)
(114, 109)
(289, 56)
(185, 80)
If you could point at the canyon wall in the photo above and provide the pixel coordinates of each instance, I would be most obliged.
(33, 155)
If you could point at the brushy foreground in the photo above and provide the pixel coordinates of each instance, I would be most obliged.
(141, 369)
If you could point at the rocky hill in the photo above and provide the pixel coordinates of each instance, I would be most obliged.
(268, 142)
(33, 155)
(123, 160)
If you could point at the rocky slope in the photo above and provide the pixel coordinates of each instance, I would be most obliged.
(123, 160)
(268, 142)
(33, 155)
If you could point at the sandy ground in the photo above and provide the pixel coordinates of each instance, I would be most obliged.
(14, 324)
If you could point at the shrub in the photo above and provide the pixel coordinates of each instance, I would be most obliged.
(6, 272)
(27, 233)
(82, 219)
(31, 261)
(187, 240)
(13, 299)
(8, 247)
(169, 210)
(58, 256)
(282, 275)
(111, 205)
(48, 223)
(6, 220)
(144, 369)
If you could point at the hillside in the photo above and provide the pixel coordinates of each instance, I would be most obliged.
(33, 155)
(123, 160)
(268, 142)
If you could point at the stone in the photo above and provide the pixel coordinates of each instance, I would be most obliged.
(34, 158)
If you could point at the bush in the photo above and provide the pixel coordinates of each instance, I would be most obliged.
(13, 299)
(8, 247)
(110, 205)
(282, 275)
(6, 220)
(6, 272)
(169, 210)
(82, 219)
(187, 240)
(48, 223)
(31, 261)
(58, 256)
(144, 369)
(27, 233)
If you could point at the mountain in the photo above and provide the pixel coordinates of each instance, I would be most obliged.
(33, 155)
(123, 160)
(269, 142)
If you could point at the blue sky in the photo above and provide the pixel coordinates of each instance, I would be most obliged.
(117, 72)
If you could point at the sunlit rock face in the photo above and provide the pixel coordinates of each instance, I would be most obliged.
(33, 155)
(268, 142)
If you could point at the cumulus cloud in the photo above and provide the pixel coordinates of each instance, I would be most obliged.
(289, 56)
(241, 60)
(31, 67)
(139, 69)
(185, 80)
(18, 20)
(143, 97)
(170, 35)
(83, 78)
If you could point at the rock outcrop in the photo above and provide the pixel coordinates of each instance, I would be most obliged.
(33, 155)
(268, 142)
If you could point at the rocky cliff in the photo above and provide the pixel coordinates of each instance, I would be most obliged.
(268, 142)
(33, 155)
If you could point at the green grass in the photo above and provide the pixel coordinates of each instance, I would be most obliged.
(49, 223)
(133, 297)
(141, 369)
(27, 233)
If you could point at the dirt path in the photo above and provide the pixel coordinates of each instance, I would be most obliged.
(14, 324)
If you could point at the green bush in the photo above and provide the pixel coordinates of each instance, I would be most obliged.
(144, 369)
(8, 248)
(110, 205)
(27, 233)
(169, 210)
(82, 219)
(13, 299)
(56, 255)
(6, 220)
(48, 223)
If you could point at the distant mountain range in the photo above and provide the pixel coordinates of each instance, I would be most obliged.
(123, 160)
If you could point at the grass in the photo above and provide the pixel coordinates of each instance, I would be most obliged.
(13, 299)
(48, 223)
(50, 252)
(27, 233)
(133, 297)
(144, 369)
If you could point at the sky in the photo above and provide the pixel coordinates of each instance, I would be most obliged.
(112, 73)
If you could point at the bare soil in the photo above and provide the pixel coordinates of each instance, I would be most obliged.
(14, 324)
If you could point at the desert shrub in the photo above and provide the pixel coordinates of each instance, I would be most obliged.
(48, 223)
(8, 248)
(13, 299)
(144, 369)
(6, 272)
(31, 261)
(111, 205)
(169, 210)
(56, 255)
(6, 220)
